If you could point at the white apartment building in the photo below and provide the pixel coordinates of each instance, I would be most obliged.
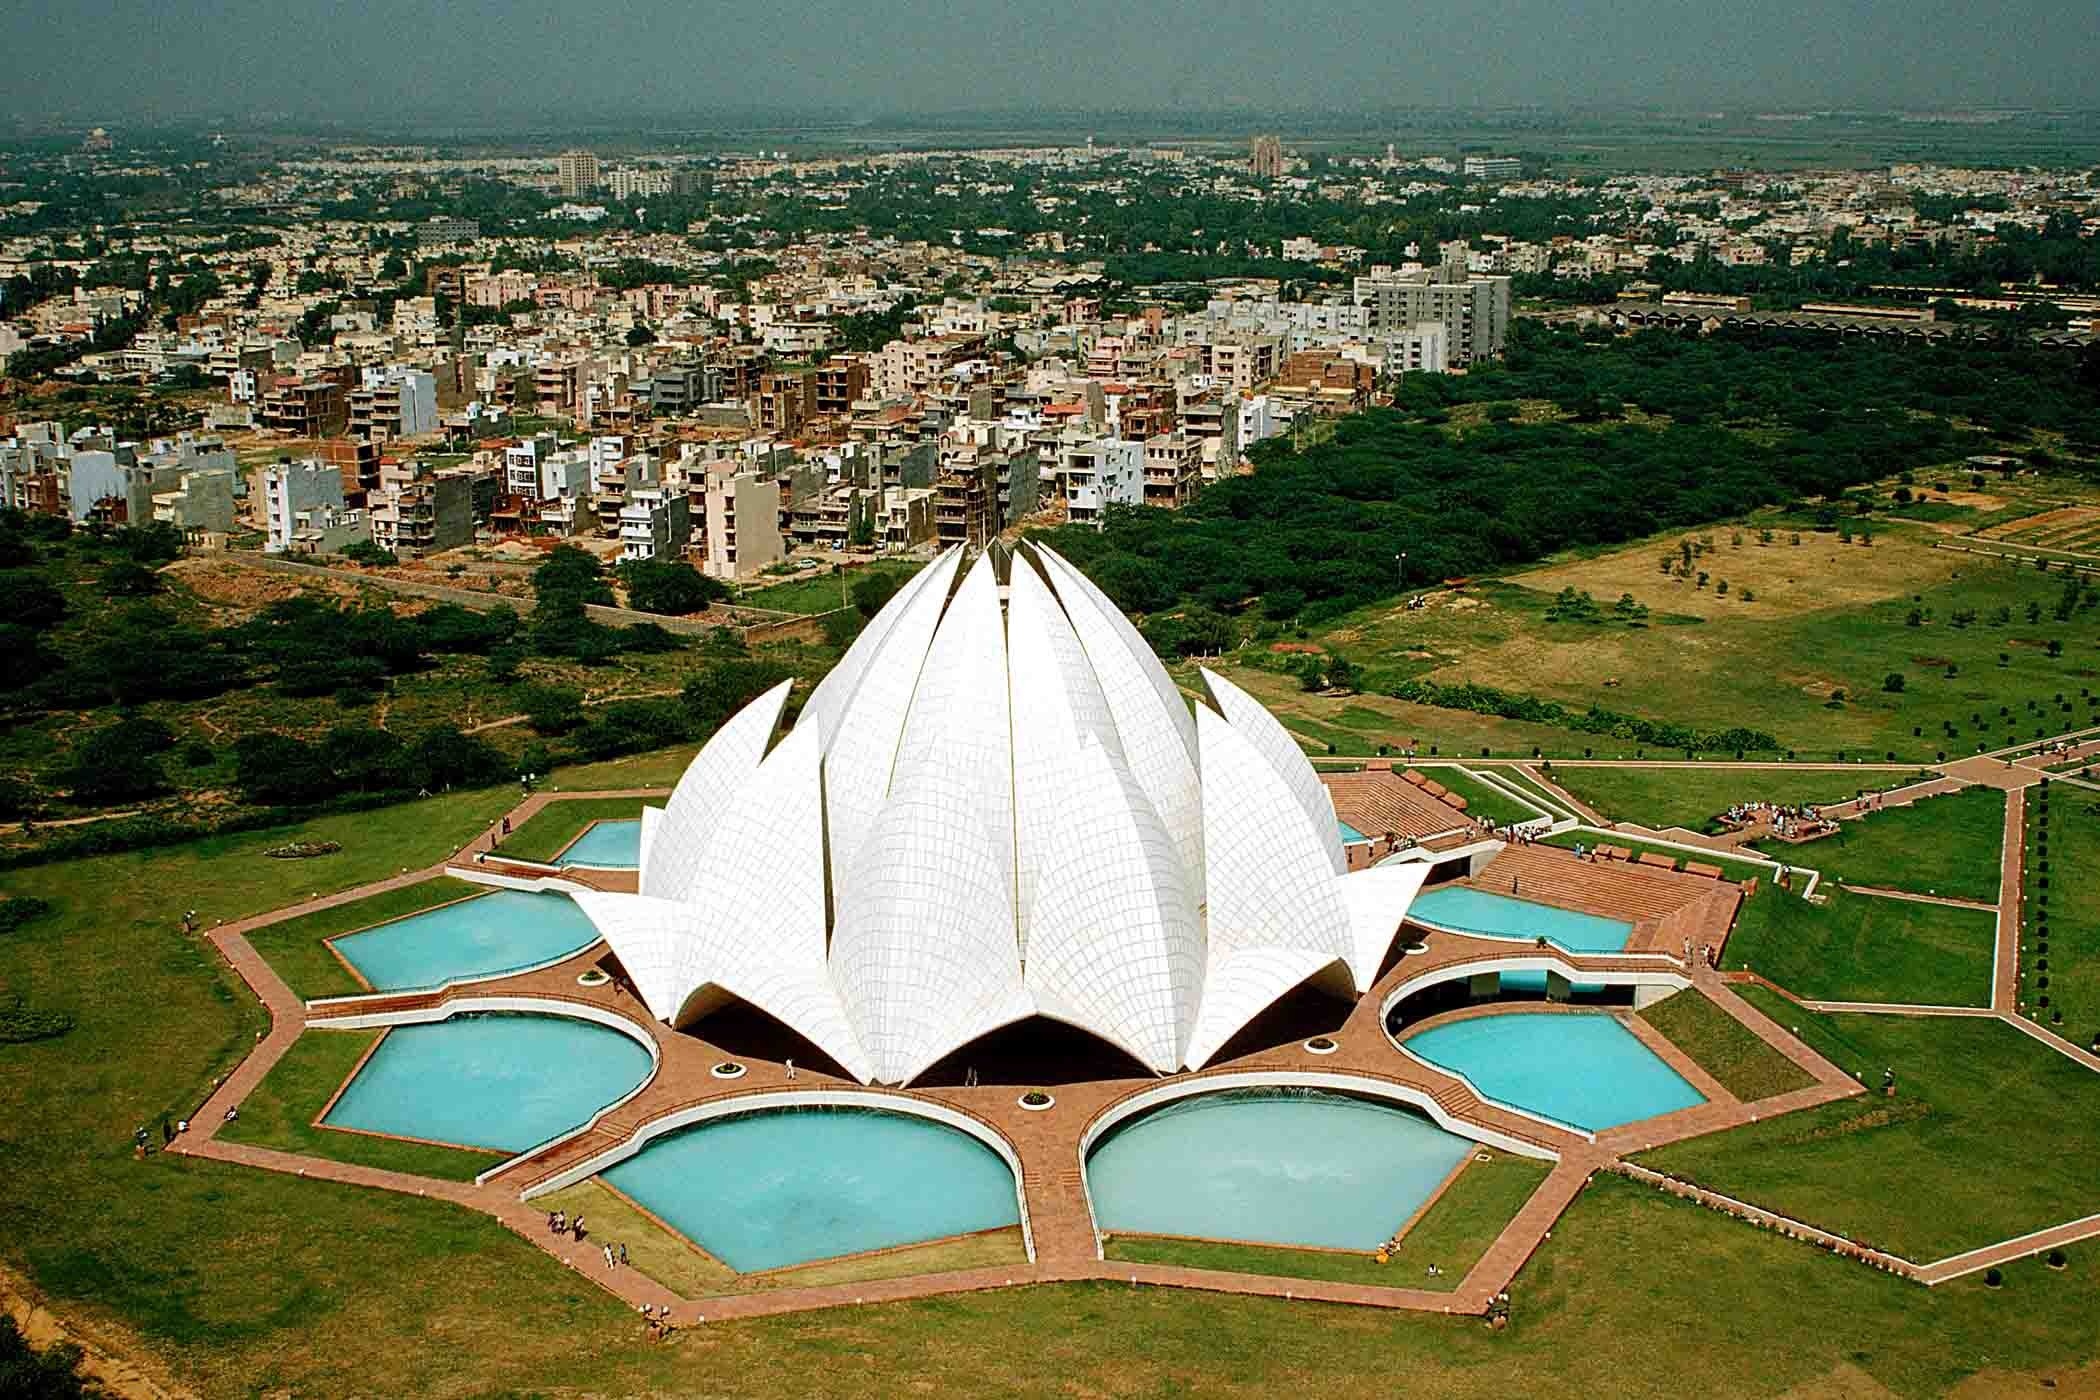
(1098, 474)
(299, 496)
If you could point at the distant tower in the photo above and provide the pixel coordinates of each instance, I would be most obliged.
(1268, 158)
(97, 140)
(577, 172)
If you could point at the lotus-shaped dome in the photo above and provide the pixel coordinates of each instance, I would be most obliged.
(998, 806)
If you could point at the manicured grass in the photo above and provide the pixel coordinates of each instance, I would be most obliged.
(1692, 797)
(1736, 870)
(1991, 1135)
(243, 1281)
(1858, 947)
(821, 590)
(1483, 802)
(1943, 845)
(1724, 1047)
(298, 951)
(281, 1111)
(1453, 1234)
(980, 1251)
(2068, 909)
(554, 826)
(657, 1252)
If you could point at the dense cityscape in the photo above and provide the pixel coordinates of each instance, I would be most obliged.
(1050, 752)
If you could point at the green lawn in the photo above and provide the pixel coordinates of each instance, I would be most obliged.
(550, 830)
(1452, 1235)
(1483, 802)
(298, 951)
(281, 1111)
(2069, 910)
(1858, 947)
(1724, 1047)
(1692, 797)
(1553, 802)
(1944, 845)
(1991, 1135)
(821, 590)
(246, 1282)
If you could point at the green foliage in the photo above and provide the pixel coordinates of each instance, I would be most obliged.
(127, 578)
(20, 1023)
(19, 909)
(669, 587)
(551, 709)
(354, 759)
(721, 688)
(570, 577)
(871, 591)
(370, 554)
(1488, 700)
(1193, 631)
(121, 761)
(32, 600)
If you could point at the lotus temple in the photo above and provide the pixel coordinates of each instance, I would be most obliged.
(1007, 956)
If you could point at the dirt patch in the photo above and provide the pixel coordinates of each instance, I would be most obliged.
(121, 1377)
(2082, 1381)
(242, 591)
(1302, 648)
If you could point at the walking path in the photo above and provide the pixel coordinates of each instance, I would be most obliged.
(1947, 901)
(2012, 853)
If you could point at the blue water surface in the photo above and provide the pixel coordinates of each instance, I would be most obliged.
(614, 844)
(1580, 1068)
(1287, 1167)
(479, 937)
(1350, 834)
(505, 1083)
(777, 1187)
(1462, 909)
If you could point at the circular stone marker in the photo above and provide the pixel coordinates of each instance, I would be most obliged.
(592, 977)
(1321, 1045)
(728, 1069)
(1036, 1101)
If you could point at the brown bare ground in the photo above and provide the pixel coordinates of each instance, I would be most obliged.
(99, 1362)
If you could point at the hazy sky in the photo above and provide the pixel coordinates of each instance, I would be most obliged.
(537, 59)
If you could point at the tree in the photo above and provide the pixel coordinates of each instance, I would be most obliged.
(871, 591)
(671, 588)
(570, 577)
(721, 688)
(50, 1374)
(371, 554)
(32, 600)
(1894, 683)
(121, 761)
(640, 336)
(551, 709)
(127, 578)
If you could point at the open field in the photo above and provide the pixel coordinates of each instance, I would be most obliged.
(1809, 661)
(1483, 803)
(2069, 909)
(1455, 1231)
(1945, 845)
(550, 830)
(1724, 1048)
(1693, 797)
(281, 1111)
(1988, 1137)
(822, 590)
(1857, 947)
(297, 949)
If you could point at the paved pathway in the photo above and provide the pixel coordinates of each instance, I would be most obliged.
(2005, 959)
(1881, 893)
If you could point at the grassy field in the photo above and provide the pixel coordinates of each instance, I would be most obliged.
(1857, 947)
(1455, 1231)
(1826, 618)
(1483, 803)
(554, 826)
(2069, 909)
(298, 951)
(1692, 797)
(1724, 1047)
(1990, 1136)
(281, 1111)
(822, 590)
(1943, 845)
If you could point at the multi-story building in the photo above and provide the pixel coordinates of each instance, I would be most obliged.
(445, 233)
(393, 402)
(1099, 473)
(298, 496)
(743, 523)
(576, 173)
(841, 383)
(655, 523)
(1267, 160)
(966, 505)
(1173, 469)
(305, 408)
(424, 515)
(1474, 310)
(1493, 168)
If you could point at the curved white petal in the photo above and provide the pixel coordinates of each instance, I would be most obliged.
(760, 886)
(1275, 744)
(1241, 985)
(1267, 881)
(1153, 724)
(835, 692)
(1057, 707)
(652, 820)
(925, 952)
(688, 820)
(1377, 899)
(1117, 942)
(654, 941)
(860, 756)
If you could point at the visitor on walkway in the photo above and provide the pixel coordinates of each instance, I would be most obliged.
(554, 1222)
(608, 1256)
(233, 1111)
(791, 1069)
(623, 1253)
(576, 1229)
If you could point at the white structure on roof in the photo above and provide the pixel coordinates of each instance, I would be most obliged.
(999, 806)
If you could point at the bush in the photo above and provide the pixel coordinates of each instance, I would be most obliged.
(20, 1024)
(551, 709)
(1993, 1278)
(121, 761)
(127, 578)
(1894, 683)
(19, 909)
(664, 586)
(198, 754)
(367, 553)
(872, 591)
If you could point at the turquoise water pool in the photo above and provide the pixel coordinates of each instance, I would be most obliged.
(478, 937)
(785, 1186)
(614, 845)
(1287, 1167)
(505, 1083)
(1573, 1067)
(1349, 833)
(1465, 910)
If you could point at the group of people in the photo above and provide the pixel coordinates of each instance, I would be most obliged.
(560, 1222)
(657, 1320)
(1789, 822)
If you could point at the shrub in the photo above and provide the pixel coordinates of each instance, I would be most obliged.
(20, 1023)
(1993, 1278)
(19, 909)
